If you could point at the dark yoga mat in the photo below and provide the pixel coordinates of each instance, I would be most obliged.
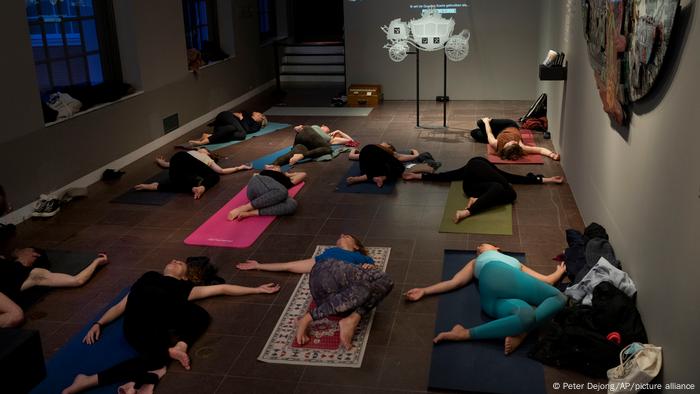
(61, 261)
(364, 187)
(477, 366)
(144, 197)
(76, 357)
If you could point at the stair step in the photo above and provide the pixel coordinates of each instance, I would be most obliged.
(311, 64)
(312, 73)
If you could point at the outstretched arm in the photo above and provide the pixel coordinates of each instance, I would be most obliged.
(229, 170)
(404, 157)
(297, 267)
(489, 133)
(539, 150)
(199, 292)
(461, 278)
(551, 279)
(112, 314)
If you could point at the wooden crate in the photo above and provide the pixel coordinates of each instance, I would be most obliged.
(365, 95)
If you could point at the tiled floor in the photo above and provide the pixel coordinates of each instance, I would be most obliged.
(141, 238)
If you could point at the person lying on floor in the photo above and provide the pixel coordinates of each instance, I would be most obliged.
(192, 171)
(338, 288)
(379, 163)
(268, 194)
(348, 249)
(503, 135)
(232, 126)
(18, 273)
(484, 184)
(308, 143)
(518, 298)
(335, 137)
(157, 309)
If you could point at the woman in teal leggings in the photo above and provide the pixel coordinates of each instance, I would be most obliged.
(516, 296)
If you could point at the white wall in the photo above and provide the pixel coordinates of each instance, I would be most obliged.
(503, 56)
(642, 184)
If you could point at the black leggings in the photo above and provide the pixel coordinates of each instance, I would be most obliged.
(187, 172)
(308, 143)
(152, 339)
(482, 179)
(227, 127)
(375, 161)
(497, 125)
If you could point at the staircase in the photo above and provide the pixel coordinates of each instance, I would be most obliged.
(312, 62)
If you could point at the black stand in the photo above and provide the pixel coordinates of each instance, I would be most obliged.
(444, 98)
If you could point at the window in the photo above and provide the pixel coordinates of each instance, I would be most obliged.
(74, 42)
(268, 20)
(201, 30)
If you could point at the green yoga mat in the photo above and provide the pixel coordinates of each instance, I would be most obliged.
(498, 220)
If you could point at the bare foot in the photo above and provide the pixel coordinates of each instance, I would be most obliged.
(353, 179)
(179, 353)
(234, 213)
(379, 180)
(458, 333)
(245, 214)
(80, 383)
(347, 329)
(146, 389)
(162, 162)
(471, 202)
(553, 179)
(302, 335)
(147, 186)
(198, 191)
(461, 214)
(409, 176)
(127, 388)
(295, 158)
(513, 342)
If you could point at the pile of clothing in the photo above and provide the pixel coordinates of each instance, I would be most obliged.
(601, 317)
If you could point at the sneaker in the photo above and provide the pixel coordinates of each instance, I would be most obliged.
(52, 207)
(40, 206)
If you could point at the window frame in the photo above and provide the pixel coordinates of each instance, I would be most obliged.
(105, 35)
(212, 23)
(270, 15)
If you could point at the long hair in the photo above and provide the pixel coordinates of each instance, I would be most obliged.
(512, 152)
(202, 272)
(360, 247)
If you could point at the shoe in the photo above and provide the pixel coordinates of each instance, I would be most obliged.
(51, 208)
(40, 206)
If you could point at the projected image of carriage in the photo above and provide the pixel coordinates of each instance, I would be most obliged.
(431, 32)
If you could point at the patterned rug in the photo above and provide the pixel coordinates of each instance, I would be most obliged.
(324, 347)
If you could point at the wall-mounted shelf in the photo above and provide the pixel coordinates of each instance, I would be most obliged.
(553, 73)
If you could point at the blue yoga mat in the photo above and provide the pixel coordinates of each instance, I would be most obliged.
(271, 126)
(76, 357)
(146, 197)
(477, 366)
(364, 187)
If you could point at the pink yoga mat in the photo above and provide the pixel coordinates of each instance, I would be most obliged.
(528, 139)
(218, 231)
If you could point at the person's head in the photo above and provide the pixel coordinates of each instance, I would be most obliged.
(351, 243)
(176, 269)
(260, 118)
(388, 147)
(202, 272)
(272, 167)
(512, 151)
(325, 128)
(485, 247)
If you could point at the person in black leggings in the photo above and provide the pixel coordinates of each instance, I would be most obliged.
(379, 163)
(484, 184)
(157, 308)
(232, 126)
(194, 171)
(308, 143)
